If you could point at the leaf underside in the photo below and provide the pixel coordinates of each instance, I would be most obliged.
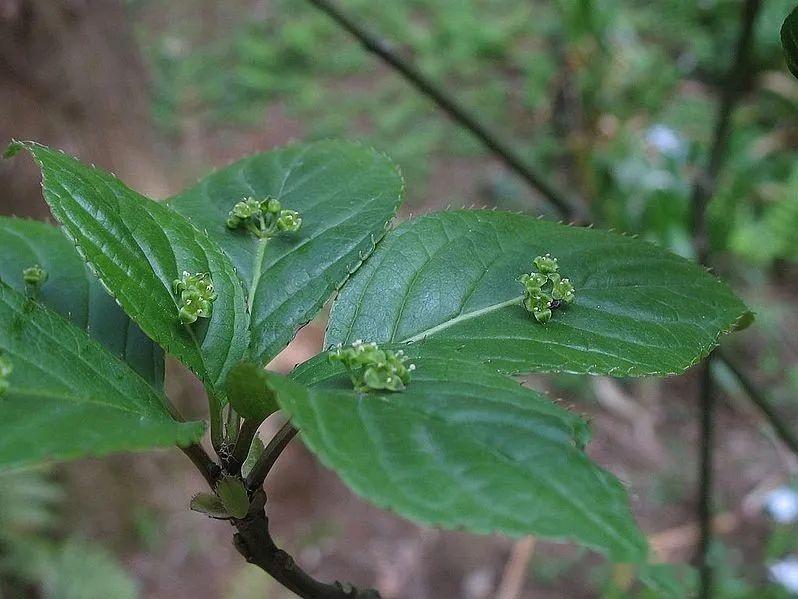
(68, 396)
(76, 294)
(450, 279)
(464, 447)
(346, 194)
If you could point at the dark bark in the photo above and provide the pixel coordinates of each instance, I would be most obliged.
(71, 77)
(255, 543)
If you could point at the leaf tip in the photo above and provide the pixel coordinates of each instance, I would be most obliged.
(13, 148)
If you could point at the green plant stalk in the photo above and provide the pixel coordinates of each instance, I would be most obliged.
(271, 452)
(253, 539)
(243, 442)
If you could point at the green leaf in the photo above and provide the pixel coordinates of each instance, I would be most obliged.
(78, 569)
(451, 279)
(233, 496)
(69, 397)
(138, 247)
(464, 447)
(208, 504)
(72, 291)
(345, 194)
(249, 392)
(789, 41)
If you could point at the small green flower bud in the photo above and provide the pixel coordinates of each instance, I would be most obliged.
(289, 221)
(542, 315)
(271, 206)
(546, 264)
(533, 281)
(34, 275)
(563, 290)
(371, 368)
(546, 290)
(196, 294)
(264, 218)
(246, 209)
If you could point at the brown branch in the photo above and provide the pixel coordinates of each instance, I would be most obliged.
(705, 477)
(253, 539)
(207, 467)
(568, 208)
(255, 543)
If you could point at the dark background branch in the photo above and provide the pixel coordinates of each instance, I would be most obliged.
(703, 190)
(255, 543)
(567, 207)
(761, 401)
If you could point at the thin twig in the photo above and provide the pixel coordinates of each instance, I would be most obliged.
(255, 543)
(516, 569)
(705, 463)
(703, 191)
(269, 456)
(734, 85)
(760, 400)
(207, 467)
(567, 207)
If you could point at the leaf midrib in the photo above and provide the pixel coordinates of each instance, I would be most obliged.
(461, 318)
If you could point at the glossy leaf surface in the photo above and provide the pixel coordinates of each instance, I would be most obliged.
(345, 194)
(451, 280)
(464, 447)
(69, 397)
(138, 247)
(72, 291)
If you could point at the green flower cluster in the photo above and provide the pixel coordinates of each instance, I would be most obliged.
(263, 218)
(545, 290)
(196, 295)
(6, 368)
(34, 275)
(372, 368)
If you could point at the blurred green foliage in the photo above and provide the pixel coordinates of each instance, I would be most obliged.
(614, 99)
(33, 556)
